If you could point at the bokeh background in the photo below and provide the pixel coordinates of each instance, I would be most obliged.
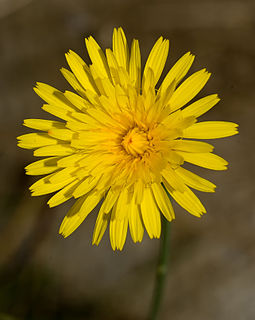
(212, 268)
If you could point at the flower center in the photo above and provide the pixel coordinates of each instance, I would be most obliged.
(135, 142)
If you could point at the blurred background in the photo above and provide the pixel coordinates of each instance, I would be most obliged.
(212, 268)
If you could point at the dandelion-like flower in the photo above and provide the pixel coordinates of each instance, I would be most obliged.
(124, 140)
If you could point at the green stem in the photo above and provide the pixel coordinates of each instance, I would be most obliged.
(161, 270)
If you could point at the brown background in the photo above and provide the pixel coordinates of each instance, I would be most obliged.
(43, 276)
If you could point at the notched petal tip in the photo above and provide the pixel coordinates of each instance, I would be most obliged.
(39, 85)
(236, 128)
(51, 205)
(25, 122)
(63, 234)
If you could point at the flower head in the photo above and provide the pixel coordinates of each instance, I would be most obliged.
(123, 140)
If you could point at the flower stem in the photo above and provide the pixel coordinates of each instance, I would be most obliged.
(161, 270)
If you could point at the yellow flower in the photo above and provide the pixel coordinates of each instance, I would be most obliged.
(123, 142)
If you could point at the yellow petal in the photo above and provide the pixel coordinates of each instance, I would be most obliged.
(175, 120)
(148, 82)
(120, 48)
(174, 158)
(192, 146)
(118, 233)
(163, 201)
(149, 99)
(201, 106)
(53, 96)
(135, 65)
(124, 78)
(174, 181)
(63, 195)
(110, 200)
(119, 223)
(76, 100)
(86, 118)
(156, 60)
(72, 160)
(150, 214)
(211, 130)
(97, 79)
(187, 199)
(205, 160)
(43, 125)
(189, 89)
(122, 206)
(108, 104)
(61, 134)
(138, 191)
(63, 174)
(43, 186)
(100, 226)
(113, 66)
(135, 222)
(35, 140)
(165, 95)
(97, 57)
(70, 77)
(58, 112)
(102, 117)
(79, 212)
(133, 97)
(194, 181)
(81, 71)
(44, 166)
(122, 98)
(178, 71)
(86, 185)
(54, 150)
(79, 126)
